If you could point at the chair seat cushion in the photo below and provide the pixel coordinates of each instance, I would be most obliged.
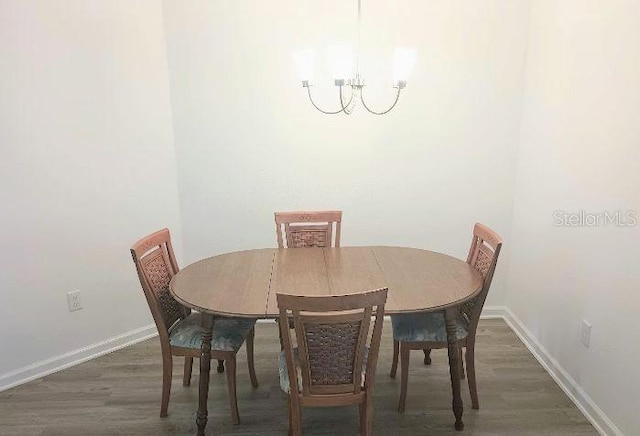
(284, 373)
(228, 333)
(424, 327)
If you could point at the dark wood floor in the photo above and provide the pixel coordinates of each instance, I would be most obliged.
(119, 394)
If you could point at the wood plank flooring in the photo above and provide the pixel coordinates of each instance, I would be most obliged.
(119, 394)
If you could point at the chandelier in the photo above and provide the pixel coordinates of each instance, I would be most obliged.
(341, 60)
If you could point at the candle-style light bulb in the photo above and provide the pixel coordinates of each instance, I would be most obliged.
(404, 59)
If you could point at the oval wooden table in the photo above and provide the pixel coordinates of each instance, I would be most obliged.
(245, 284)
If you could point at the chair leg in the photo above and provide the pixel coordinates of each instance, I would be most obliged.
(427, 356)
(188, 368)
(252, 368)
(231, 382)
(404, 375)
(366, 417)
(167, 370)
(471, 375)
(289, 415)
(394, 363)
(220, 368)
(462, 375)
(295, 418)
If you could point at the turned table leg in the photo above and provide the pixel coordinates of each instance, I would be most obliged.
(451, 315)
(205, 367)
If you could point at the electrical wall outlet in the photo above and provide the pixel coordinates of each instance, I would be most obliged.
(585, 336)
(74, 301)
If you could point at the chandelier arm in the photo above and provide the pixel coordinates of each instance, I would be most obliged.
(345, 108)
(384, 112)
(316, 106)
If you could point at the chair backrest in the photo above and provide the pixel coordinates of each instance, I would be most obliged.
(483, 257)
(156, 265)
(332, 334)
(309, 229)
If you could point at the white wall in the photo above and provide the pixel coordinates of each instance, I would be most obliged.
(579, 151)
(248, 141)
(87, 166)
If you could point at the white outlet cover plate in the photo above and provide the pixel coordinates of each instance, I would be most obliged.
(585, 336)
(74, 301)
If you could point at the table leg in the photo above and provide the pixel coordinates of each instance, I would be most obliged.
(451, 315)
(205, 367)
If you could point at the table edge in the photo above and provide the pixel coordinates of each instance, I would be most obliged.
(265, 315)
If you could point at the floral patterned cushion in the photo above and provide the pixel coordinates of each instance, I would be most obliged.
(424, 327)
(284, 373)
(228, 333)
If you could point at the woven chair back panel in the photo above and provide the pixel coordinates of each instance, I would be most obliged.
(306, 237)
(483, 259)
(158, 274)
(332, 352)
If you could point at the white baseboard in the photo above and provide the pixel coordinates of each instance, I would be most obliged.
(589, 409)
(266, 320)
(72, 358)
(492, 312)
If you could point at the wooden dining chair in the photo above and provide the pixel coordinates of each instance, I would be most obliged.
(309, 229)
(425, 331)
(179, 330)
(334, 363)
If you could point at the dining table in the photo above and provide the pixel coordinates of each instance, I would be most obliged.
(245, 284)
